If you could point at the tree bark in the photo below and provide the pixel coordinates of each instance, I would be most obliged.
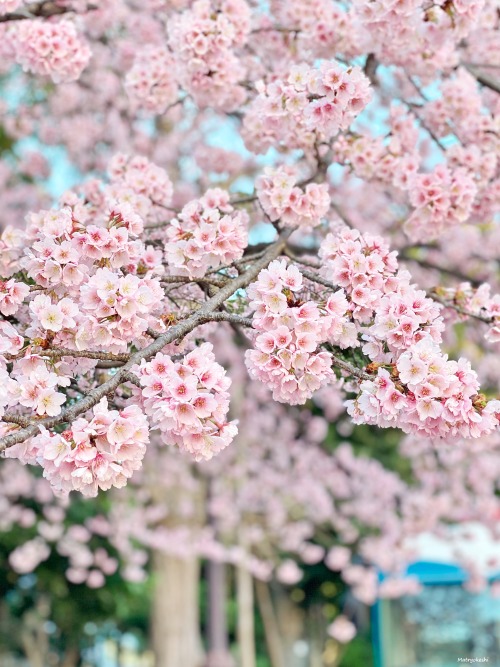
(270, 622)
(175, 623)
(291, 623)
(34, 640)
(71, 657)
(246, 629)
(217, 636)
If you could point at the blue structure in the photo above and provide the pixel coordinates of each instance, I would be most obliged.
(443, 623)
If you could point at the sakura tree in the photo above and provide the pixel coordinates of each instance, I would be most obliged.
(315, 184)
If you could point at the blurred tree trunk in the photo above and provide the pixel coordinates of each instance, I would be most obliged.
(71, 657)
(34, 639)
(217, 635)
(246, 628)
(291, 619)
(317, 636)
(270, 622)
(175, 621)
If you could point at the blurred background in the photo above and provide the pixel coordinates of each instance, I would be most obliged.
(145, 576)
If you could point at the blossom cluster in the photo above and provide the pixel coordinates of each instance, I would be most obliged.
(140, 182)
(189, 401)
(65, 250)
(428, 393)
(310, 105)
(11, 248)
(34, 386)
(460, 110)
(418, 36)
(442, 199)
(52, 49)
(393, 159)
(118, 306)
(325, 27)
(151, 84)
(204, 39)
(282, 199)
(206, 234)
(52, 259)
(363, 265)
(12, 294)
(482, 165)
(11, 341)
(416, 387)
(287, 357)
(90, 455)
(402, 318)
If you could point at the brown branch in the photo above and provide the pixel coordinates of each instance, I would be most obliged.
(243, 200)
(173, 333)
(427, 264)
(370, 68)
(218, 282)
(318, 279)
(20, 420)
(349, 368)
(299, 260)
(484, 79)
(40, 10)
(459, 309)
(228, 317)
(57, 353)
(277, 28)
(339, 211)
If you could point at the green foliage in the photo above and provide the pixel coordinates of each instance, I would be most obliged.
(358, 652)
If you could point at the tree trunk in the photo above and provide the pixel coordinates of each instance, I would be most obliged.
(270, 622)
(71, 657)
(316, 633)
(246, 629)
(217, 638)
(291, 623)
(175, 622)
(33, 637)
(32, 651)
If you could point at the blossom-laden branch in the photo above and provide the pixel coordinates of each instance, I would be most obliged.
(460, 310)
(204, 314)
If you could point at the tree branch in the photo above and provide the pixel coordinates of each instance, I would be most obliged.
(349, 368)
(484, 79)
(40, 10)
(57, 353)
(462, 311)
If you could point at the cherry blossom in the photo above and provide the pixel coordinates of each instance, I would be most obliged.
(189, 401)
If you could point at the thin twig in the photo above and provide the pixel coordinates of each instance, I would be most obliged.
(459, 309)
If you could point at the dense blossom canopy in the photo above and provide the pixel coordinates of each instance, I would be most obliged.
(311, 186)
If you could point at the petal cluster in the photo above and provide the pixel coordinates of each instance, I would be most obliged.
(94, 454)
(206, 234)
(50, 49)
(282, 199)
(310, 104)
(288, 358)
(151, 84)
(188, 401)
